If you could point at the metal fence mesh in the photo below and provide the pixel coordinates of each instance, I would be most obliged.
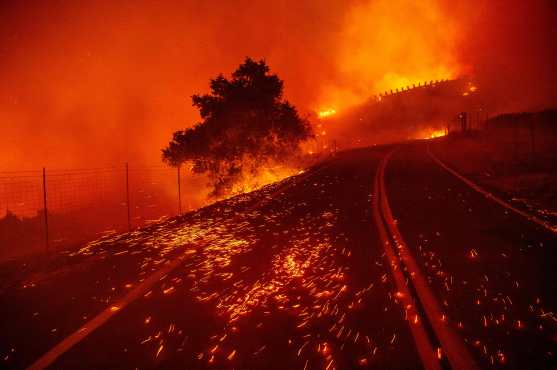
(81, 203)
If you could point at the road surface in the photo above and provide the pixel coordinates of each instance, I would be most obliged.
(377, 258)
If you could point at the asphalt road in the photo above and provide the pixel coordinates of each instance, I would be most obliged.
(295, 276)
(493, 270)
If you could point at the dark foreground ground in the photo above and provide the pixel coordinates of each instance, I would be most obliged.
(523, 171)
(294, 276)
(492, 270)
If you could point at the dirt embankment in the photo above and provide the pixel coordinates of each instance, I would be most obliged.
(515, 155)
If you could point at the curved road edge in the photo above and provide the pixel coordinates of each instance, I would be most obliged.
(490, 196)
(450, 342)
(423, 344)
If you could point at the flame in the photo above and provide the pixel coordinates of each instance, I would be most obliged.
(390, 44)
(267, 175)
(471, 88)
(326, 113)
(437, 133)
(432, 134)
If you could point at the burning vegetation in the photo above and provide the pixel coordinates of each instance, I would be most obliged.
(247, 135)
(421, 110)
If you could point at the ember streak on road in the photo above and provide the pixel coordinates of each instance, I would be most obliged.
(294, 276)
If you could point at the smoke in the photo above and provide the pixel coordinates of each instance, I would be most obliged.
(388, 44)
(93, 83)
(98, 82)
(512, 50)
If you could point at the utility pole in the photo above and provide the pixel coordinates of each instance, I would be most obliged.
(179, 193)
(533, 137)
(128, 196)
(515, 139)
(463, 121)
(45, 209)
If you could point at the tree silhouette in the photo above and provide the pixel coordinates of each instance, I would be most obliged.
(246, 124)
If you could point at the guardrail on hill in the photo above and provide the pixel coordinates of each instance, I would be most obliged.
(420, 86)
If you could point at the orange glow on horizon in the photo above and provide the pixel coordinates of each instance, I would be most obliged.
(81, 89)
(387, 45)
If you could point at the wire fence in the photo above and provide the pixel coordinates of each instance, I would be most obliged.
(53, 208)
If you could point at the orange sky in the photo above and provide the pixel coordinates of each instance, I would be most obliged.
(85, 85)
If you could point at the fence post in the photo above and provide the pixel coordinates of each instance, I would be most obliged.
(533, 138)
(515, 139)
(128, 196)
(45, 210)
(179, 193)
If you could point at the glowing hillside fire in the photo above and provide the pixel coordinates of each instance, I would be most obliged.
(470, 89)
(432, 134)
(369, 58)
(435, 134)
(326, 113)
(266, 176)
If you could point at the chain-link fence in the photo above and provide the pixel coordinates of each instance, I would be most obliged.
(52, 209)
